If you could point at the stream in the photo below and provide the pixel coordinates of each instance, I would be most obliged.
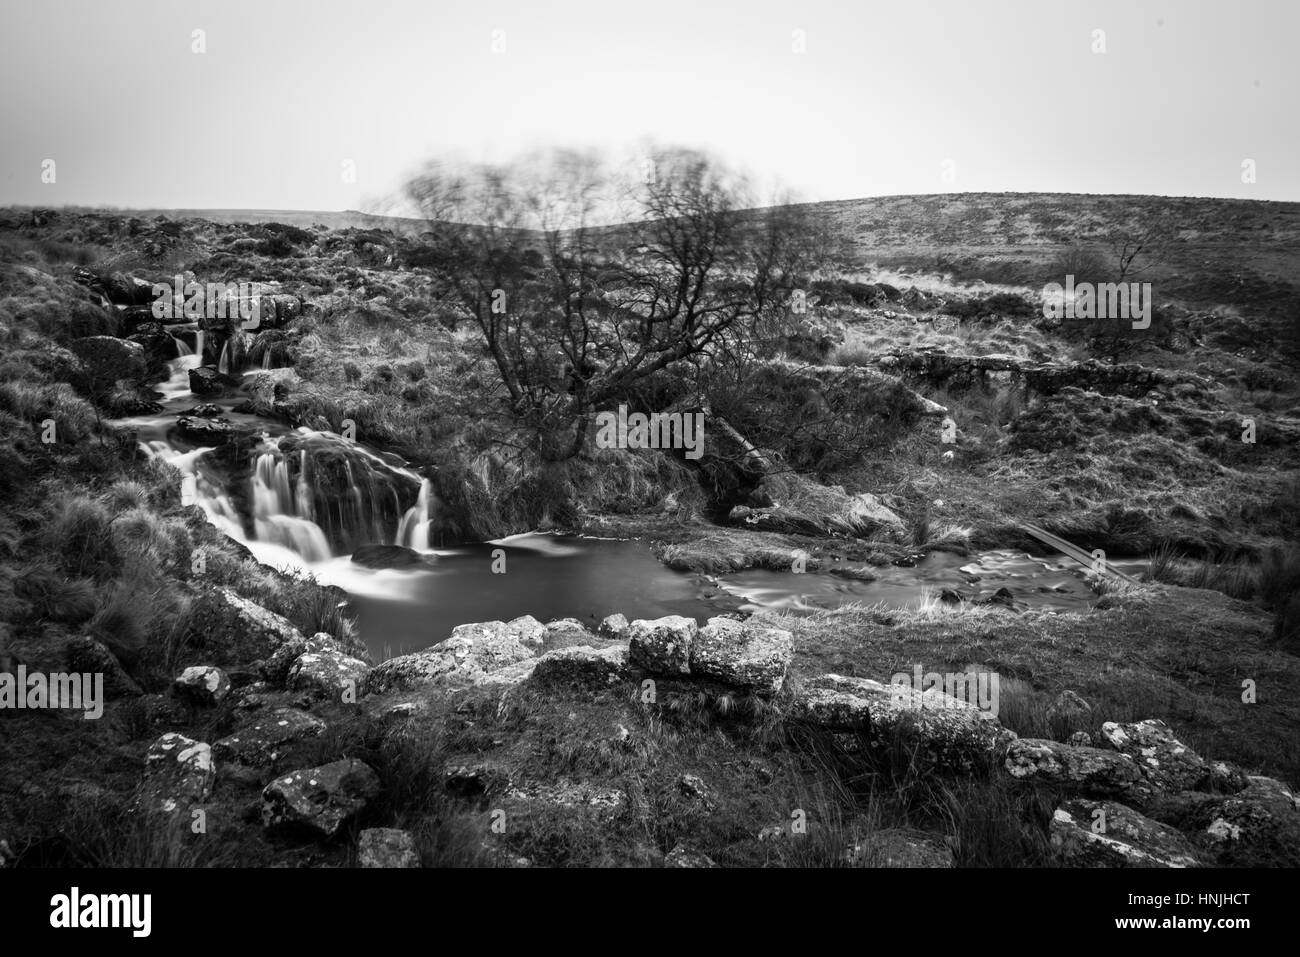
(309, 498)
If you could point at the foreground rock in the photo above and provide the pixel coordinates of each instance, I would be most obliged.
(1165, 761)
(943, 731)
(582, 663)
(269, 737)
(663, 645)
(328, 675)
(1105, 834)
(231, 630)
(276, 668)
(386, 847)
(319, 799)
(1085, 770)
(178, 773)
(106, 359)
(742, 654)
(469, 656)
(202, 685)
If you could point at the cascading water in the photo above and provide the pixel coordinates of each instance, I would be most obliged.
(275, 514)
(414, 530)
(223, 364)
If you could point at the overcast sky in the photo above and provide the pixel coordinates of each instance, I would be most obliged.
(1011, 94)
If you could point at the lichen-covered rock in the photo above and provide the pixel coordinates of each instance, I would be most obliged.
(1105, 834)
(268, 737)
(469, 656)
(565, 632)
(582, 664)
(228, 629)
(604, 803)
(1086, 770)
(614, 627)
(742, 654)
(178, 773)
(202, 684)
(328, 675)
(1258, 826)
(663, 645)
(941, 731)
(319, 799)
(1165, 761)
(275, 669)
(386, 847)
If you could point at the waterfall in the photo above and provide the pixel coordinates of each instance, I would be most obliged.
(223, 364)
(182, 349)
(414, 530)
(275, 516)
(198, 345)
(266, 359)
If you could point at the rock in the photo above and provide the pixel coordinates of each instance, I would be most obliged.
(106, 359)
(1068, 711)
(178, 773)
(742, 654)
(805, 508)
(387, 556)
(202, 684)
(404, 710)
(328, 675)
(386, 847)
(614, 627)
(1080, 739)
(214, 431)
(568, 796)
(206, 380)
(1002, 597)
(693, 787)
(900, 847)
(684, 856)
(469, 656)
(663, 645)
(207, 410)
(275, 669)
(582, 663)
(1165, 761)
(566, 632)
(1105, 834)
(1225, 778)
(1086, 770)
(87, 656)
(159, 709)
(951, 597)
(319, 799)
(941, 730)
(1258, 826)
(267, 738)
(231, 630)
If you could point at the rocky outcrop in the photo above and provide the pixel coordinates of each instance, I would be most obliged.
(321, 799)
(1165, 761)
(472, 653)
(276, 668)
(1085, 770)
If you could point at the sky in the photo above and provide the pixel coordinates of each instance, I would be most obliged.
(331, 104)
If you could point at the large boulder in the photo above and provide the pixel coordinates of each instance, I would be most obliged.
(582, 663)
(387, 556)
(663, 645)
(206, 380)
(940, 730)
(1105, 834)
(106, 359)
(178, 773)
(268, 737)
(1258, 826)
(319, 799)
(469, 656)
(802, 507)
(1084, 770)
(231, 630)
(328, 675)
(742, 654)
(1165, 761)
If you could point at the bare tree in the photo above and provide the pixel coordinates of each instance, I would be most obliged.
(579, 306)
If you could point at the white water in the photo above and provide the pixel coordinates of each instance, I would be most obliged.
(414, 530)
